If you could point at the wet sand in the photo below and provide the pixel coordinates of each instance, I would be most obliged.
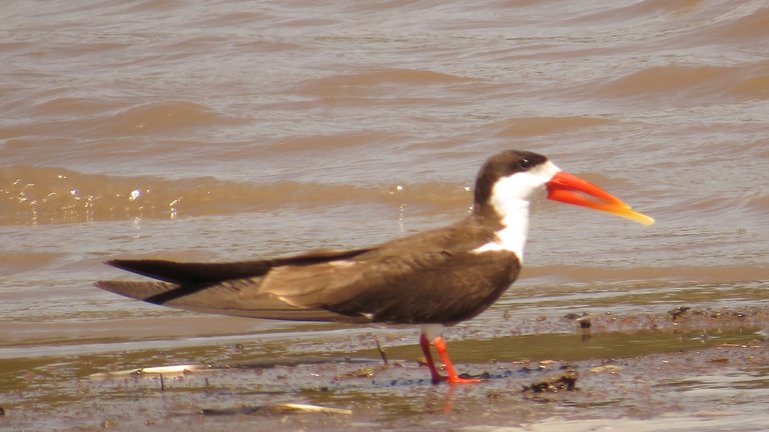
(684, 369)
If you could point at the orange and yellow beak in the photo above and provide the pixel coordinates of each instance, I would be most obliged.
(570, 189)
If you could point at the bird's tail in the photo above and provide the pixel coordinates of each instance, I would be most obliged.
(212, 297)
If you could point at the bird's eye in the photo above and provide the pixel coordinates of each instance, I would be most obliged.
(525, 163)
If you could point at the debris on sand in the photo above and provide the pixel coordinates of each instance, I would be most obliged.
(607, 368)
(566, 381)
(365, 372)
(276, 409)
(168, 371)
(678, 312)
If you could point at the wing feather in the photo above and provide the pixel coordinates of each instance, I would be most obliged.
(223, 298)
(181, 272)
(425, 278)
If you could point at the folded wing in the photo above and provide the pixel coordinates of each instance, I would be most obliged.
(397, 282)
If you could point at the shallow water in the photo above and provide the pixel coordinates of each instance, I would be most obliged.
(232, 129)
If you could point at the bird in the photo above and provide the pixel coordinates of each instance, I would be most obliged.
(432, 279)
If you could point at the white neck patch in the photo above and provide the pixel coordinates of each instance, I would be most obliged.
(510, 198)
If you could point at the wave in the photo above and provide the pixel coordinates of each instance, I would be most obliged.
(84, 118)
(533, 126)
(45, 195)
(748, 81)
(376, 82)
(664, 79)
(750, 28)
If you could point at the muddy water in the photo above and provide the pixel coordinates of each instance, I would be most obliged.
(234, 129)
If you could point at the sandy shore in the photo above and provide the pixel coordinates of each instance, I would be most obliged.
(720, 382)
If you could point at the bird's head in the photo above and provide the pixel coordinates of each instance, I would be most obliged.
(507, 181)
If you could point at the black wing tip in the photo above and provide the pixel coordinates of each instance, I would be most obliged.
(118, 263)
(145, 267)
(134, 290)
(123, 263)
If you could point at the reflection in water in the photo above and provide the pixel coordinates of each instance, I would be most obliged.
(440, 399)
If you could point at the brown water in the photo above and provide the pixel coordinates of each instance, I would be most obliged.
(238, 129)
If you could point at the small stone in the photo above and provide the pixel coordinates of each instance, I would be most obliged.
(606, 368)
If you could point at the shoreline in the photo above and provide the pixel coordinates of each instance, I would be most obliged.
(722, 379)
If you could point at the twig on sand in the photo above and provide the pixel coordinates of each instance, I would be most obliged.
(381, 350)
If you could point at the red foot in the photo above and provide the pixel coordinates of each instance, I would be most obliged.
(440, 346)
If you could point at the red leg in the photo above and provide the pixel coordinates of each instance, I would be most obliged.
(440, 346)
(436, 377)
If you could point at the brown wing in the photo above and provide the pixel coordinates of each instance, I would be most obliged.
(221, 298)
(436, 286)
(431, 277)
(217, 287)
(426, 278)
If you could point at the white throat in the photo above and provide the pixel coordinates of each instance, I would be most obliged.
(510, 198)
